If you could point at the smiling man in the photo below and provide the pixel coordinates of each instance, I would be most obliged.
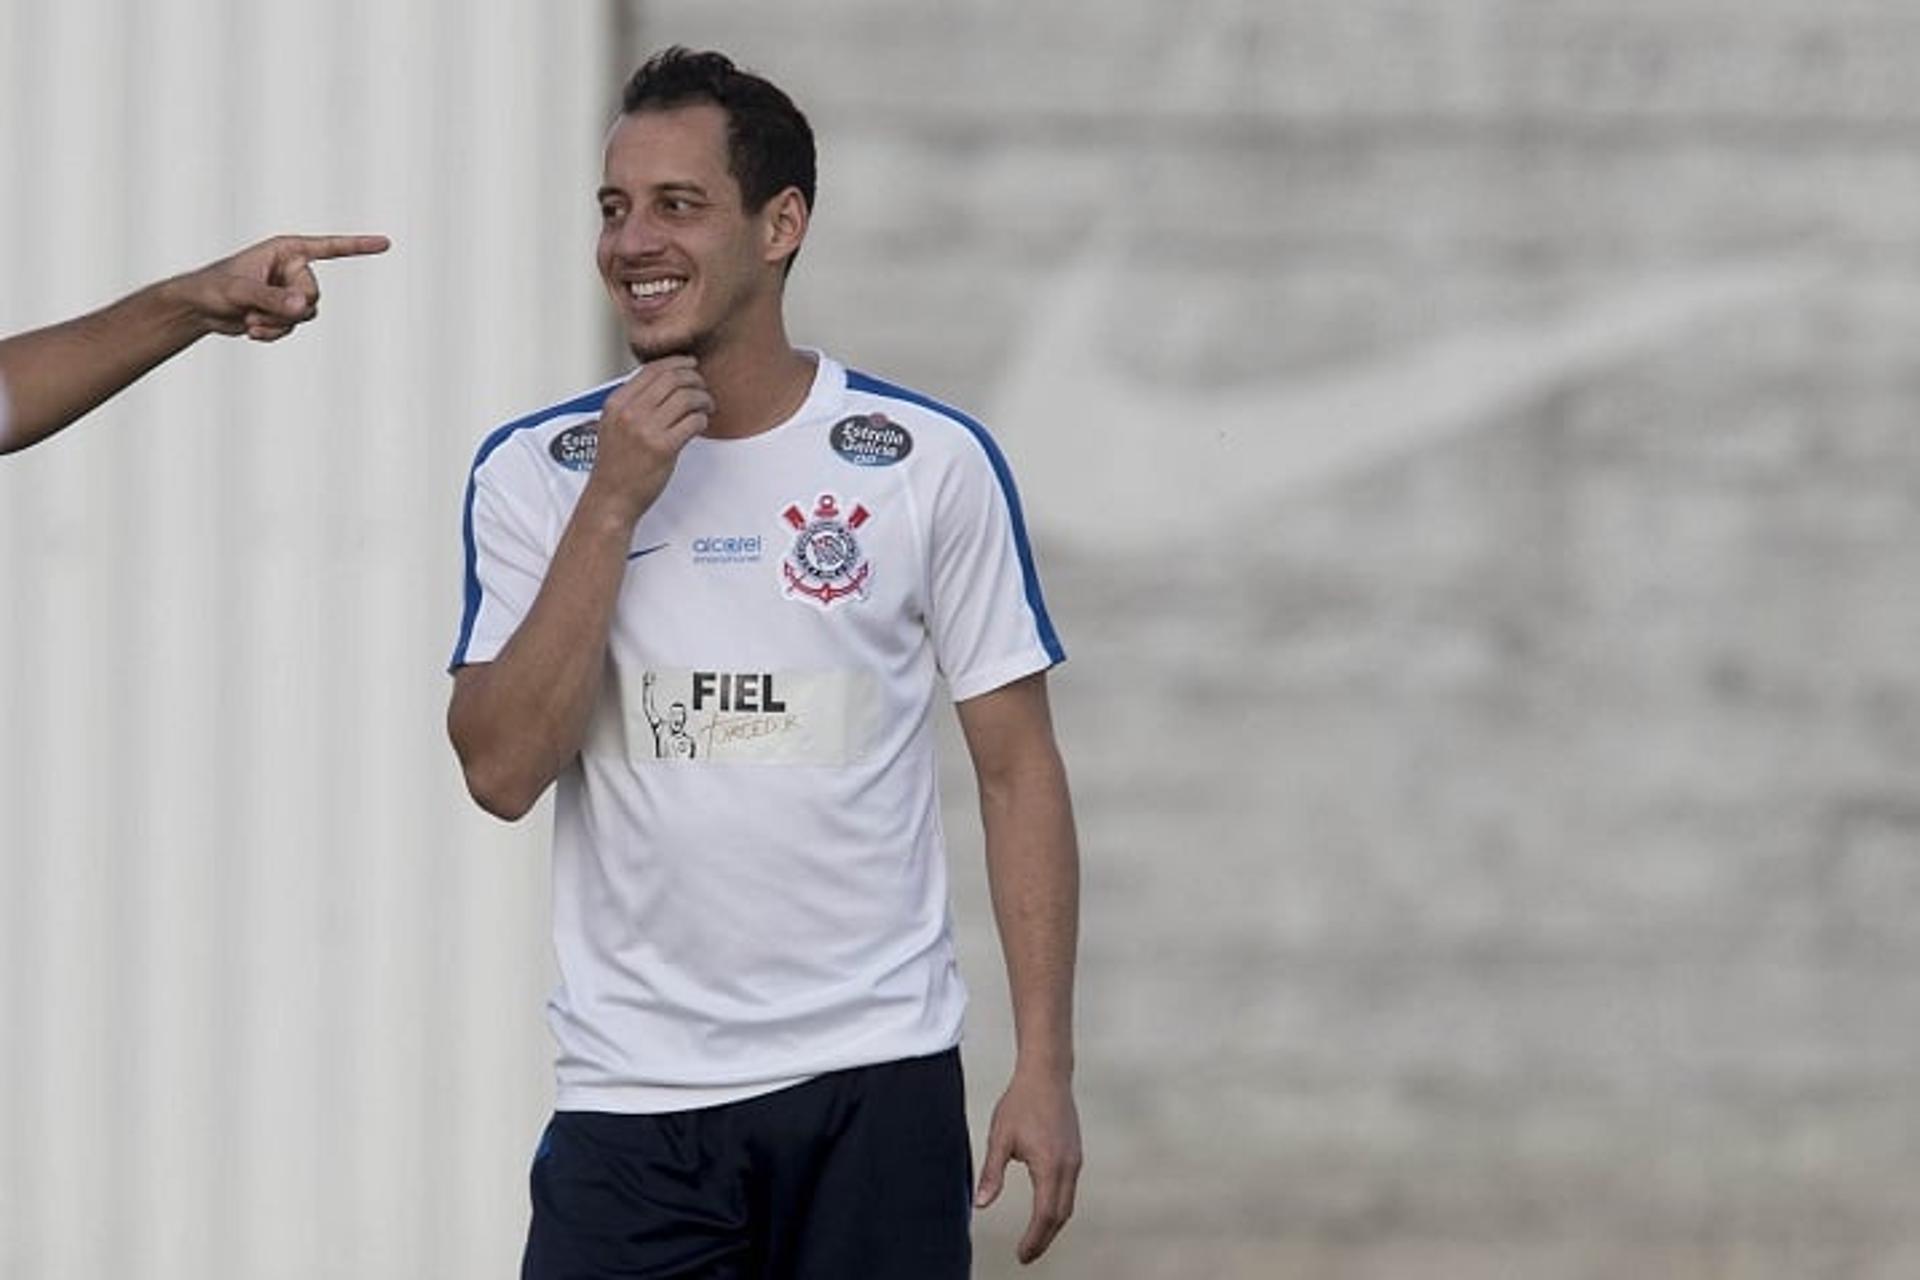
(759, 1006)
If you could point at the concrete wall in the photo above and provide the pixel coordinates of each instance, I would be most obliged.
(1471, 449)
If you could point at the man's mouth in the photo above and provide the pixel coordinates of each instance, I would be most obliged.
(654, 291)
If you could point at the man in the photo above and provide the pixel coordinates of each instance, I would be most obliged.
(758, 1007)
(670, 736)
(50, 377)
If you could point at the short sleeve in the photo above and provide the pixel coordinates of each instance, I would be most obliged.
(988, 619)
(506, 557)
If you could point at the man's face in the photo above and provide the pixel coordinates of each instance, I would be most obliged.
(677, 716)
(679, 256)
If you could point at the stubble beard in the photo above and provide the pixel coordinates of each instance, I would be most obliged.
(696, 345)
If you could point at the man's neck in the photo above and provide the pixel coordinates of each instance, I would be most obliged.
(755, 386)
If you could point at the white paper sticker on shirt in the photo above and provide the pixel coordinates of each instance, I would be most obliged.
(751, 717)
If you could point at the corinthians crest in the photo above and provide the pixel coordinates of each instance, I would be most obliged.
(825, 562)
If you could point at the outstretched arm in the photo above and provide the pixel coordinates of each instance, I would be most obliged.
(50, 377)
(1033, 872)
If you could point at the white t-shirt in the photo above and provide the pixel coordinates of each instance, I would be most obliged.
(749, 875)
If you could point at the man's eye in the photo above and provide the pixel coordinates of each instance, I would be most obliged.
(609, 212)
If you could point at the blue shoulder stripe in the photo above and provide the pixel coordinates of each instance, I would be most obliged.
(857, 381)
(584, 403)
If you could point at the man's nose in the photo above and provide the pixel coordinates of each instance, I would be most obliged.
(638, 237)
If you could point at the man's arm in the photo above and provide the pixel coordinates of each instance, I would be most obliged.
(646, 701)
(51, 376)
(517, 720)
(1033, 872)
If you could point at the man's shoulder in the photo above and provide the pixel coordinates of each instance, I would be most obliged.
(890, 421)
(865, 389)
(554, 430)
(898, 420)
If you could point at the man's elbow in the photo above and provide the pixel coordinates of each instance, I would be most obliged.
(504, 797)
(494, 780)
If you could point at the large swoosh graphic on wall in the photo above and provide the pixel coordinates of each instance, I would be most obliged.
(1108, 457)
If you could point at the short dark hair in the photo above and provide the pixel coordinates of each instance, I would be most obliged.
(769, 143)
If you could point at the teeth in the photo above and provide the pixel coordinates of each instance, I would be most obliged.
(653, 288)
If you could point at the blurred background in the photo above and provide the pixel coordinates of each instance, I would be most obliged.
(1472, 449)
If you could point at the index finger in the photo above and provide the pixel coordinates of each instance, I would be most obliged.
(311, 247)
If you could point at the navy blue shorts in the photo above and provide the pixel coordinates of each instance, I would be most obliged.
(864, 1173)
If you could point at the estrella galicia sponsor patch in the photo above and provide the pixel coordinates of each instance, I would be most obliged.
(825, 563)
(871, 440)
(577, 446)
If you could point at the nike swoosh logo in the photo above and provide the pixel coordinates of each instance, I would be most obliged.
(1179, 461)
(647, 551)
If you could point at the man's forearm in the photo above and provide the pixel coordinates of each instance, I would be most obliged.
(1033, 872)
(518, 720)
(55, 375)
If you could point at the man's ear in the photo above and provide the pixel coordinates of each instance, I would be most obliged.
(786, 224)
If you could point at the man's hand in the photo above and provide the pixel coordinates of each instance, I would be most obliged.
(265, 290)
(644, 424)
(1037, 1124)
(54, 375)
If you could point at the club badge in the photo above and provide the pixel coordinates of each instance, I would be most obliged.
(825, 563)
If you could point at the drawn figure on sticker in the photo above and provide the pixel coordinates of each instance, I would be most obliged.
(671, 741)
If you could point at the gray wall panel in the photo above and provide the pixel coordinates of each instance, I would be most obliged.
(272, 989)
